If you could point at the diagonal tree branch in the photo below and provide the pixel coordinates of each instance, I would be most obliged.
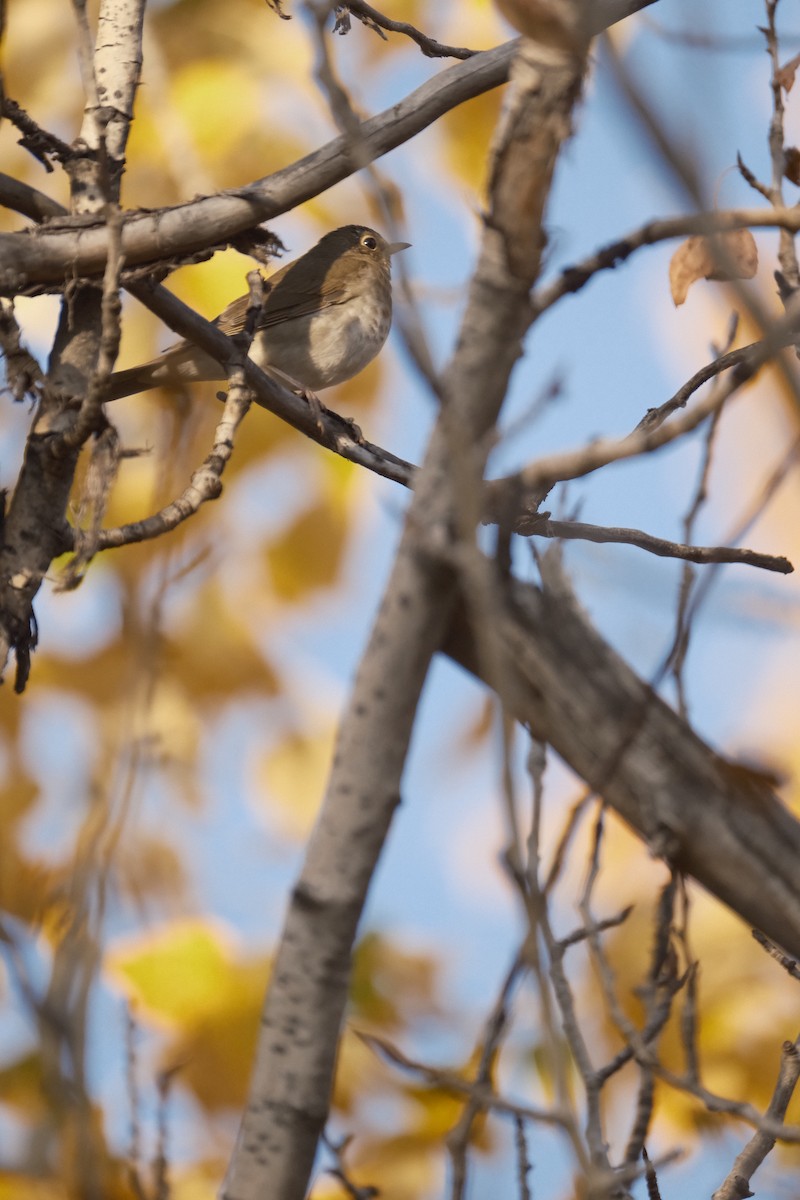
(712, 819)
(48, 257)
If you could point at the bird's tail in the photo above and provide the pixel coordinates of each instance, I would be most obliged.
(174, 368)
(135, 379)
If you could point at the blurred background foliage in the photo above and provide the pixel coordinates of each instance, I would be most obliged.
(160, 773)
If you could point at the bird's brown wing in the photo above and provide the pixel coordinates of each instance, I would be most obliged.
(284, 300)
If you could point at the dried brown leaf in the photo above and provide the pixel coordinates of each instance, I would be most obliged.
(791, 165)
(785, 74)
(728, 256)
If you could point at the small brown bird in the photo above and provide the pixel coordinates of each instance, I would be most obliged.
(324, 317)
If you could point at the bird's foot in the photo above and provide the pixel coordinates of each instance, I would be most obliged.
(353, 430)
(317, 408)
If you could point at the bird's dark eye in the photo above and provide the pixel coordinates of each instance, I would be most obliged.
(369, 242)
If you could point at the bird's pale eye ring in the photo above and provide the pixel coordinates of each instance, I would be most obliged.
(369, 242)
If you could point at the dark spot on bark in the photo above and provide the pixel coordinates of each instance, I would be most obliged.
(305, 899)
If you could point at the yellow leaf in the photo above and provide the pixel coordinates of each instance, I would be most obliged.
(392, 987)
(214, 648)
(178, 974)
(14, 1186)
(468, 131)
(294, 775)
(215, 1056)
(21, 1086)
(308, 554)
(201, 1181)
(189, 978)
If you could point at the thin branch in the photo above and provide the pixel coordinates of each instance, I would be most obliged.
(206, 482)
(523, 1161)
(677, 657)
(653, 1192)
(593, 928)
(568, 832)
(787, 254)
(51, 255)
(577, 463)
(789, 965)
(496, 1028)
(540, 525)
(611, 256)
(42, 144)
(22, 198)
(448, 1081)
(90, 418)
(340, 1172)
(373, 19)
(776, 478)
(689, 1022)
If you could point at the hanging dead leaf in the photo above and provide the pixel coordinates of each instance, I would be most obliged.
(727, 256)
(791, 165)
(785, 74)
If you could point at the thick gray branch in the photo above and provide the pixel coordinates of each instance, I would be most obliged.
(49, 256)
(712, 819)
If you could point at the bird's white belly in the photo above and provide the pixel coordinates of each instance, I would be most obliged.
(326, 348)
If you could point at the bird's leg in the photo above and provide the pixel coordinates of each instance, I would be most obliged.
(311, 398)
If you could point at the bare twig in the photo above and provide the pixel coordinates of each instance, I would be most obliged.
(134, 1101)
(206, 482)
(653, 1192)
(682, 629)
(689, 1011)
(373, 19)
(577, 463)
(759, 505)
(523, 1161)
(789, 965)
(42, 144)
(91, 418)
(339, 1170)
(609, 257)
(496, 1027)
(481, 1094)
(735, 1185)
(544, 526)
(570, 826)
(787, 253)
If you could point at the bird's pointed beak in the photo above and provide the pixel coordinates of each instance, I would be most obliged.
(395, 246)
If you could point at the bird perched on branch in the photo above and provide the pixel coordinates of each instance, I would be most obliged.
(324, 317)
